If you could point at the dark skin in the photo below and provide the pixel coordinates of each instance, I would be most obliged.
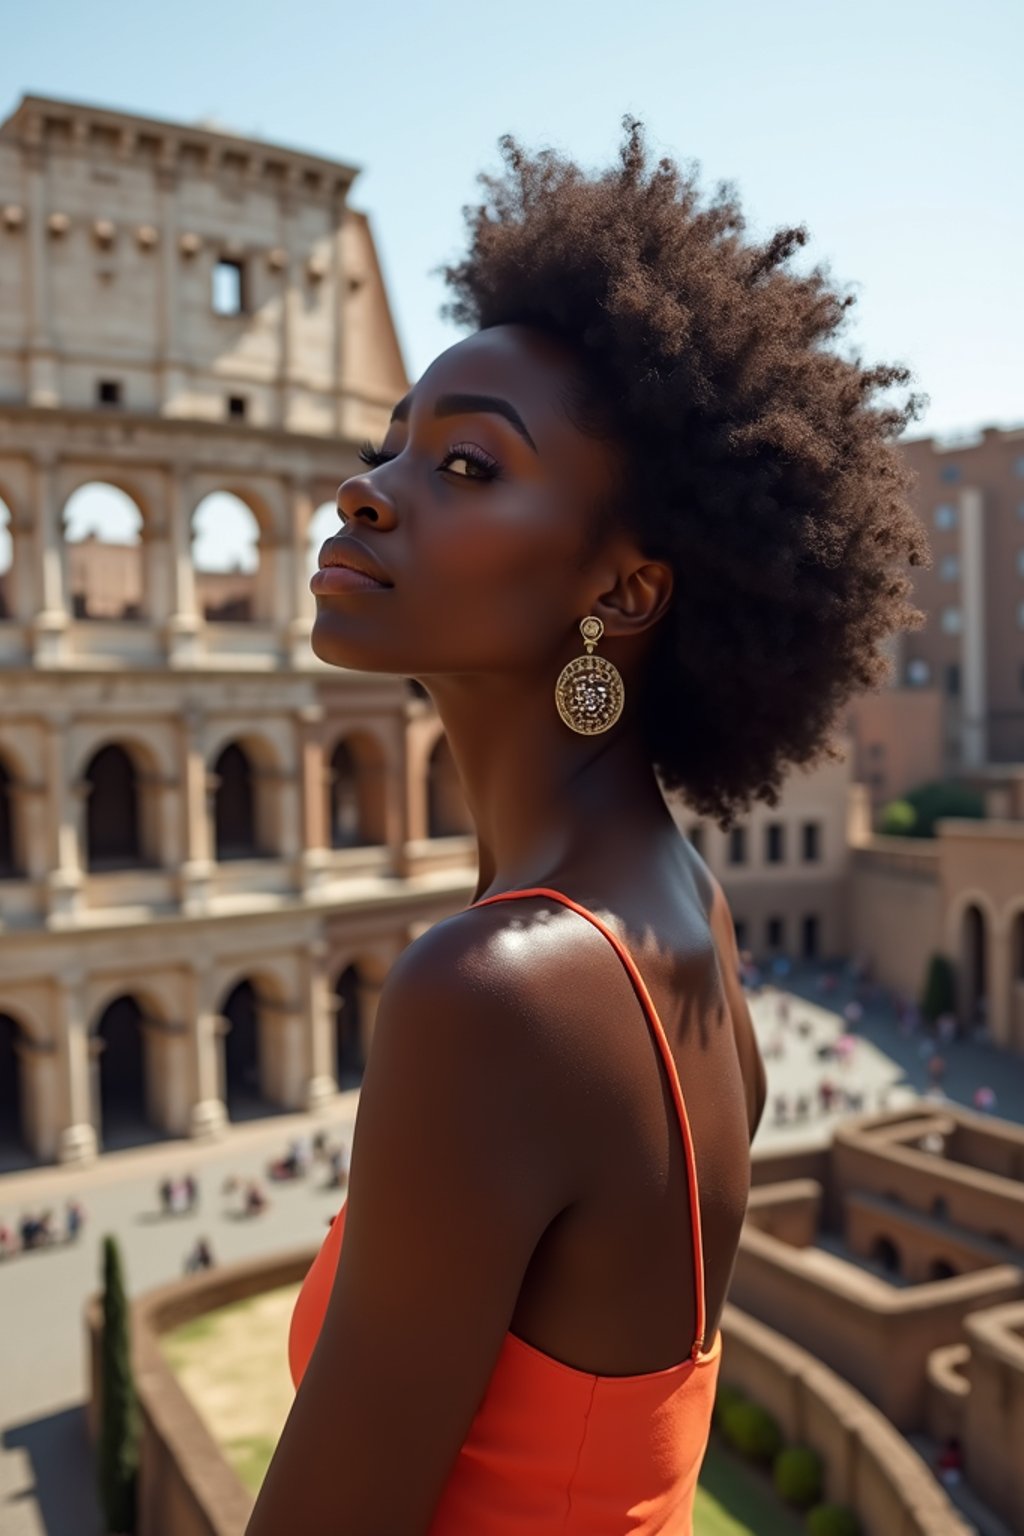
(517, 1161)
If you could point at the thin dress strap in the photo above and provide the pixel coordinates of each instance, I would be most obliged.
(640, 987)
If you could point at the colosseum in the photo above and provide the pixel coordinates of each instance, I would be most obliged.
(212, 846)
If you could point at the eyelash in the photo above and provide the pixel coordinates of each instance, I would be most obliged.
(370, 454)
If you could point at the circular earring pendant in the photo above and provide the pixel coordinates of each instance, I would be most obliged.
(589, 694)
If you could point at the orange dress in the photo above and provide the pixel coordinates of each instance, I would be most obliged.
(552, 1450)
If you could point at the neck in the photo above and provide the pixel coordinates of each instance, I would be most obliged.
(545, 801)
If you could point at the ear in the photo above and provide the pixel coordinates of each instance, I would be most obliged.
(639, 596)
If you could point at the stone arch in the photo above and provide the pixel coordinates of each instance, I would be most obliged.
(119, 783)
(245, 780)
(886, 1254)
(238, 531)
(322, 524)
(447, 811)
(13, 1127)
(357, 782)
(250, 1007)
(103, 526)
(976, 928)
(123, 1108)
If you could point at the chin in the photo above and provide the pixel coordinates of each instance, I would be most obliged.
(337, 642)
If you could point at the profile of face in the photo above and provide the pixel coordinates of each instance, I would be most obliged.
(479, 510)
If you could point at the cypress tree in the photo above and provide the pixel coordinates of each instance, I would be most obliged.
(939, 994)
(119, 1423)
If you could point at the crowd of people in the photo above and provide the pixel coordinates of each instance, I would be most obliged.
(42, 1229)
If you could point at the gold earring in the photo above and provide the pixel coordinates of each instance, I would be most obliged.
(589, 692)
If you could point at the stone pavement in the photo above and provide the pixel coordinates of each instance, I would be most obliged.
(46, 1478)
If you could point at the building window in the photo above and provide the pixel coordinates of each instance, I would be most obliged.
(952, 621)
(949, 569)
(228, 291)
(945, 516)
(811, 842)
(738, 845)
(949, 474)
(953, 679)
(237, 405)
(810, 937)
(918, 672)
(696, 836)
(775, 843)
(108, 392)
(776, 933)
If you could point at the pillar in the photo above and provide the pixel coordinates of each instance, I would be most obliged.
(310, 753)
(196, 869)
(172, 370)
(64, 876)
(39, 1095)
(304, 605)
(207, 1112)
(50, 560)
(43, 376)
(282, 592)
(182, 632)
(321, 1084)
(974, 689)
(76, 1140)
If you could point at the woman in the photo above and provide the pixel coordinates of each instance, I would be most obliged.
(644, 454)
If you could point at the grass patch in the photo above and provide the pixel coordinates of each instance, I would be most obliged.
(732, 1500)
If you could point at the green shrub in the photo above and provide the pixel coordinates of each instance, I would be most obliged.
(752, 1431)
(797, 1474)
(933, 801)
(832, 1520)
(118, 1451)
(939, 995)
(725, 1398)
(898, 819)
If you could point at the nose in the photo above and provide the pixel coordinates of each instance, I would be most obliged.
(360, 500)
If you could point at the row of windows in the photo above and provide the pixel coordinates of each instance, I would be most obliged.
(949, 566)
(947, 514)
(110, 395)
(919, 675)
(775, 935)
(774, 842)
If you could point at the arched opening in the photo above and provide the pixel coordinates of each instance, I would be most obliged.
(6, 562)
(113, 834)
(226, 556)
(941, 1269)
(10, 863)
(974, 970)
(885, 1253)
(349, 1029)
(1017, 982)
(356, 789)
(12, 1126)
(103, 532)
(119, 1084)
(324, 522)
(447, 812)
(234, 805)
(243, 1081)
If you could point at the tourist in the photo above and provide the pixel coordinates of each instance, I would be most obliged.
(623, 465)
(781, 1108)
(8, 1241)
(199, 1257)
(191, 1187)
(985, 1099)
(256, 1201)
(74, 1220)
(165, 1189)
(950, 1462)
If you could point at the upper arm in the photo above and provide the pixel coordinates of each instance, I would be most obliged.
(751, 1062)
(455, 1173)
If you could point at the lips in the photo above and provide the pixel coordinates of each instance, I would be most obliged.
(347, 553)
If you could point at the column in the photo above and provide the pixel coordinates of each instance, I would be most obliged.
(43, 377)
(973, 683)
(157, 575)
(282, 589)
(321, 1085)
(39, 1093)
(304, 609)
(182, 633)
(207, 1114)
(76, 1141)
(310, 750)
(196, 868)
(64, 875)
(51, 575)
(173, 382)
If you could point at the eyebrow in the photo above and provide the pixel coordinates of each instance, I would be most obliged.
(458, 405)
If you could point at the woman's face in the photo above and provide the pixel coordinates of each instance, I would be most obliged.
(479, 513)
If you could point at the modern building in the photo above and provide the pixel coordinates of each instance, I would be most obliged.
(970, 494)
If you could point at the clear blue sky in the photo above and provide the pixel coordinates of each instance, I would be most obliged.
(893, 130)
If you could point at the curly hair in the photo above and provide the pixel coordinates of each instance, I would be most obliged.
(760, 465)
